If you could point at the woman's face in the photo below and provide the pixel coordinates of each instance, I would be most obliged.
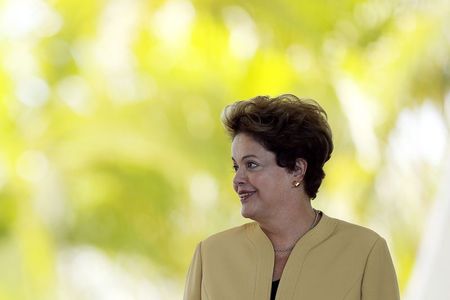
(261, 184)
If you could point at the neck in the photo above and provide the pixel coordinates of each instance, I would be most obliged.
(288, 225)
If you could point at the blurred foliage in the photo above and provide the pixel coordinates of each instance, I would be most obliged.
(110, 127)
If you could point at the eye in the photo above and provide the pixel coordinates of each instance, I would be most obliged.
(251, 165)
(235, 168)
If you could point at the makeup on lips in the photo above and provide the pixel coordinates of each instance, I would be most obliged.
(244, 195)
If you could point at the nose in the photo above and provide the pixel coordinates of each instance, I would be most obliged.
(240, 178)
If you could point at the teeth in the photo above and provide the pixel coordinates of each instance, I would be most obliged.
(245, 195)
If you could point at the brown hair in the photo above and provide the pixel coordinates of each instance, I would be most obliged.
(290, 127)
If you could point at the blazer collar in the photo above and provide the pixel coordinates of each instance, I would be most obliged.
(265, 256)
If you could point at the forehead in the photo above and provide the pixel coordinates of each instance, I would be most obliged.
(244, 145)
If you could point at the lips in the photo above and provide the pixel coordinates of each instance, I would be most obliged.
(244, 195)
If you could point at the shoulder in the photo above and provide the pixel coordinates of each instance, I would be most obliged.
(228, 240)
(353, 234)
(345, 227)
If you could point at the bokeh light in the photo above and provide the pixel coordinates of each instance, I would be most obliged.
(114, 164)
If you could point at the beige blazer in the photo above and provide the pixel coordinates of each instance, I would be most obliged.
(334, 260)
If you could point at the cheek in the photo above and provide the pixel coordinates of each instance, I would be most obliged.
(261, 182)
(273, 183)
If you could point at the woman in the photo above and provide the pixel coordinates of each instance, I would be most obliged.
(291, 250)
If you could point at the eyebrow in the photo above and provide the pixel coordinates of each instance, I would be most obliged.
(245, 156)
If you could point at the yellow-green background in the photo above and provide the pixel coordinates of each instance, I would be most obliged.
(113, 161)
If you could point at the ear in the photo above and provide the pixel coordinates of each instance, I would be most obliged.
(300, 168)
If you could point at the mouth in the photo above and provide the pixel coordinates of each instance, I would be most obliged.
(245, 195)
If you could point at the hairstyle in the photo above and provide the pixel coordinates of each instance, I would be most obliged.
(290, 127)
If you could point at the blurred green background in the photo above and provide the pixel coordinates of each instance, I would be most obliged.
(113, 160)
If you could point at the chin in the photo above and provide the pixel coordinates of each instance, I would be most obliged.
(246, 213)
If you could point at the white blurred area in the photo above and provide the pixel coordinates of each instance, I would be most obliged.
(430, 278)
(86, 273)
(431, 273)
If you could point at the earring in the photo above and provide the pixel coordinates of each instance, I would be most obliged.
(295, 183)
